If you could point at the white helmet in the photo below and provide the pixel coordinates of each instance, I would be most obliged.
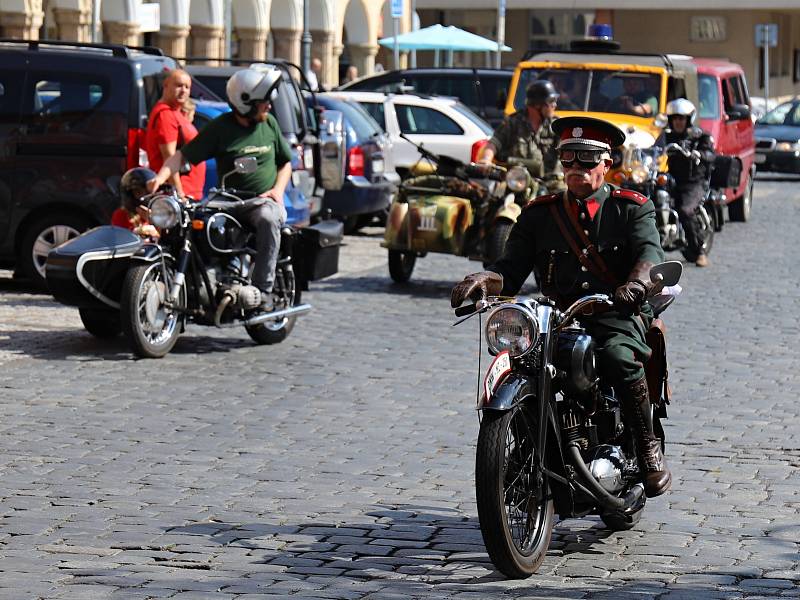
(682, 106)
(249, 86)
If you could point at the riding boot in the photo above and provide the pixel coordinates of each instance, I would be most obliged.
(638, 412)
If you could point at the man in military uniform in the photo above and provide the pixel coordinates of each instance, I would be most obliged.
(526, 137)
(592, 239)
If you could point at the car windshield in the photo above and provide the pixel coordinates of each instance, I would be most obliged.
(364, 125)
(595, 90)
(482, 125)
(787, 113)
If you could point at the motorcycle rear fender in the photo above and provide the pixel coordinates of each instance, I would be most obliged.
(148, 253)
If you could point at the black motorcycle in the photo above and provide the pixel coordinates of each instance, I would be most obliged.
(552, 438)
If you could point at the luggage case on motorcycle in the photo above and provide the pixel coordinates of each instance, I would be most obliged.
(88, 270)
(726, 172)
(317, 251)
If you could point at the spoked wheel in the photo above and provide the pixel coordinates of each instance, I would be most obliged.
(401, 265)
(285, 294)
(515, 508)
(148, 322)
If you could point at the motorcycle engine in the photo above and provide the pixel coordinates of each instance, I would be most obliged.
(575, 356)
(248, 297)
(606, 464)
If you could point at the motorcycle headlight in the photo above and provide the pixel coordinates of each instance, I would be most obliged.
(511, 327)
(639, 174)
(165, 212)
(517, 179)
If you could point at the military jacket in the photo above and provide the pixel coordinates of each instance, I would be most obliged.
(515, 138)
(623, 230)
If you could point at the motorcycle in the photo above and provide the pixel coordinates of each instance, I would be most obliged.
(644, 170)
(552, 436)
(461, 209)
(197, 271)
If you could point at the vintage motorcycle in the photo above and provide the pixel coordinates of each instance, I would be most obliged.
(197, 271)
(462, 209)
(552, 437)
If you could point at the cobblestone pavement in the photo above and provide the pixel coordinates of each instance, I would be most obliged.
(339, 463)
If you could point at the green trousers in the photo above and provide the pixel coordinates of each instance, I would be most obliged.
(620, 345)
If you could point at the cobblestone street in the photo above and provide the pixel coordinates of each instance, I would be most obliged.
(339, 464)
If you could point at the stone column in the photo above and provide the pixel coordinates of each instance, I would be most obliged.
(206, 41)
(252, 43)
(322, 48)
(73, 25)
(336, 55)
(22, 26)
(286, 44)
(172, 40)
(121, 32)
(363, 57)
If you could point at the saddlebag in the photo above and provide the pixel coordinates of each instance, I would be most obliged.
(726, 172)
(316, 253)
(88, 270)
(656, 370)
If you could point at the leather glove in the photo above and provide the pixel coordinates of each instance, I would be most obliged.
(477, 286)
(631, 295)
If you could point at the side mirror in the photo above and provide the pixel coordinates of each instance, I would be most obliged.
(667, 273)
(246, 164)
(738, 112)
(332, 150)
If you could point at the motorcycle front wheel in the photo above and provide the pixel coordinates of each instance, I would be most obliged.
(496, 242)
(285, 294)
(515, 508)
(151, 326)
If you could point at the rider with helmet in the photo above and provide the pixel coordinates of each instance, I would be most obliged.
(690, 173)
(249, 130)
(132, 214)
(527, 137)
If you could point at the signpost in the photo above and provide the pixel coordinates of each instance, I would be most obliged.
(501, 32)
(397, 14)
(766, 38)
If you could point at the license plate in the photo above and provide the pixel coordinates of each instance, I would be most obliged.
(377, 166)
(760, 158)
(498, 369)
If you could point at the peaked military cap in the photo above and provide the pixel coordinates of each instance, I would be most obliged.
(587, 133)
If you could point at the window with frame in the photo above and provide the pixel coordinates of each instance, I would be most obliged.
(415, 120)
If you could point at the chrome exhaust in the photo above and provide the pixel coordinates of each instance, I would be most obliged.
(279, 314)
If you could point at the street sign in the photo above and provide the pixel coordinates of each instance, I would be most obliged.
(767, 35)
(397, 9)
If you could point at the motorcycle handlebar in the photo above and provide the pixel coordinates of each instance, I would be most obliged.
(467, 309)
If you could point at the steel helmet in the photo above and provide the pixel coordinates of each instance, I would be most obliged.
(540, 91)
(133, 186)
(249, 86)
(682, 106)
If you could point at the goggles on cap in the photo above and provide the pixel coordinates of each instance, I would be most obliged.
(588, 159)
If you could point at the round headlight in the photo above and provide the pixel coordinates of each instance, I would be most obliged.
(511, 328)
(517, 179)
(165, 212)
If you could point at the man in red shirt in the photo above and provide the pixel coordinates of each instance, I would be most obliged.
(168, 130)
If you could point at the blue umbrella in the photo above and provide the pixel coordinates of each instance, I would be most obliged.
(438, 37)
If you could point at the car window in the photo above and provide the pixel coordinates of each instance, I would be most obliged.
(75, 108)
(11, 83)
(216, 83)
(455, 86)
(420, 119)
(709, 97)
(376, 111)
(495, 92)
(482, 125)
(781, 113)
(357, 118)
(731, 93)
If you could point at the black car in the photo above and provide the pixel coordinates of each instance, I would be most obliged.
(777, 136)
(484, 90)
(72, 121)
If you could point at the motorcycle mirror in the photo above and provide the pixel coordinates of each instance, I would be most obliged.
(667, 273)
(246, 164)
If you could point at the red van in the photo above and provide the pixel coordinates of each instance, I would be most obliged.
(724, 112)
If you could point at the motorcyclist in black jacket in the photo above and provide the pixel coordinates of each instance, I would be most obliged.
(690, 173)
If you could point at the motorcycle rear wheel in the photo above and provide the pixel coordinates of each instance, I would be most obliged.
(515, 512)
(285, 294)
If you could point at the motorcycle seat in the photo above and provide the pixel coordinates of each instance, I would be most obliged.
(660, 303)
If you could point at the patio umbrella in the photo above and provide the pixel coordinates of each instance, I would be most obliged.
(438, 37)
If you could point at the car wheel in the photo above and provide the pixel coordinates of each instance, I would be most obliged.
(739, 209)
(40, 238)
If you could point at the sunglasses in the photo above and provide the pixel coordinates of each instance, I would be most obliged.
(588, 159)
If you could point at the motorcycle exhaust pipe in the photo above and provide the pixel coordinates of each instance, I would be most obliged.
(279, 314)
(612, 503)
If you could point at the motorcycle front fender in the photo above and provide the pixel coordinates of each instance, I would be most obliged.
(513, 389)
(149, 252)
(509, 211)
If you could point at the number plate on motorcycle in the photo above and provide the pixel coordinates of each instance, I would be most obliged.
(500, 366)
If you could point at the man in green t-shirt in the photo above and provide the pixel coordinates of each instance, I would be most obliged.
(247, 131)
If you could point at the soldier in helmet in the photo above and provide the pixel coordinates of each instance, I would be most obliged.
(526, 136)
(595, 238)
(249, 130)
(689, 172)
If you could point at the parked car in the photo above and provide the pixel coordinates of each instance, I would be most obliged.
(73, 121)
(484, 90)
(778, 139)
(442, 125)
(370, 179)
(297, 208)
(724, 112)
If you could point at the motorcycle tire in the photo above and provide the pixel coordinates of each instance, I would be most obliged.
(150, 327)
(496, 242)
(516, 540)
(401, 265)
(103, 324)
(706, 234)
(286, 294)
